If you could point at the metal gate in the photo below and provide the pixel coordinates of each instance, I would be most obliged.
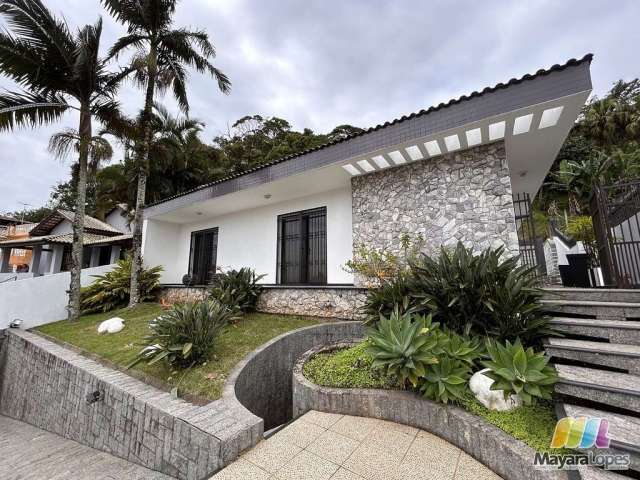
(531, 249)
(615, 210)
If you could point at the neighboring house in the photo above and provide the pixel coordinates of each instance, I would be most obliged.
(49, 244)
(452, 172)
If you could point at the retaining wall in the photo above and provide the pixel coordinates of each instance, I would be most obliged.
(46, 385)
(262, 381)
(508, 457)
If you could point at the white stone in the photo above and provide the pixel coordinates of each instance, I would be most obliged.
(480, 385)
(113, 325)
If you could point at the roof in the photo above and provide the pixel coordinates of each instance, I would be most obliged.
(4, 219)
(445, 115)
(67, 238)
(91, 225)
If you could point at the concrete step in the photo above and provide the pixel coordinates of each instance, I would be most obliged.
(624, 431)
(595, 309)
(592, 294)
(610, 388)
(622, 356)
(615, 331)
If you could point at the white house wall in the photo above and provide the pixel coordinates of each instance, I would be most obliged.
(65, 226)
(249, 238)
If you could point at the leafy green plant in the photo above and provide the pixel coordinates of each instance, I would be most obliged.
(446, 380)
(519, 371)
(237, 289)
(487, 293)
(111, 290)
(458, 347)
(390, 295)
(185, 334)
(400, 345)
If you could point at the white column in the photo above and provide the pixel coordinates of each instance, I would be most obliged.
(36, 252)
(5, 253)
(115, 253)
(95, 257)
(56, 260)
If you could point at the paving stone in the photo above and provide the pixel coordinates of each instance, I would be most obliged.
(299, 433)
(242, 470)
(307, 466)
(333, 447)
(471, 469)
(354, 427)
(322, 419)
(271, 455)
(344, 474)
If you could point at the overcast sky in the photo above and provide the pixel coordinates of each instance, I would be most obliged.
(320, 63)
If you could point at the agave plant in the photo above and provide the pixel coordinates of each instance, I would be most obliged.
(403, 346)
(447, 380)
(459, 347)
(518, 371)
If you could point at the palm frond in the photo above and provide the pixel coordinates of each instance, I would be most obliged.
(25, 109)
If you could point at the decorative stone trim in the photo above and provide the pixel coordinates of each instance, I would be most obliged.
(46, 385)
(332, 302)
(500, 452)
(179, 294)
(463, 196)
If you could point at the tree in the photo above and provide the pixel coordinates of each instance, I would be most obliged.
(162, 53)
(58, 72)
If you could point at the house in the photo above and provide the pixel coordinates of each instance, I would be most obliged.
(48, 243)
(465, 170)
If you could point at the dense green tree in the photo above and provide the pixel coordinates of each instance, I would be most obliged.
(162, 53)
(58, 72)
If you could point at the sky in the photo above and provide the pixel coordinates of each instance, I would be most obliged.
(322, 63)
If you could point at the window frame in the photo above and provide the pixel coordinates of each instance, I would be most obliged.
(204, 231)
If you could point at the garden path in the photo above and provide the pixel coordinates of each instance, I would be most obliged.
(326, 446)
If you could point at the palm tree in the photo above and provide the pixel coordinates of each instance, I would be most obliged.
(162, 54)
(58, 72)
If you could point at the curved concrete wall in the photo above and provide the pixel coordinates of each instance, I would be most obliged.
(508, 457)
(262, 381)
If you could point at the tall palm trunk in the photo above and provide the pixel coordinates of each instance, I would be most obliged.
(143, 169)
(78, 219)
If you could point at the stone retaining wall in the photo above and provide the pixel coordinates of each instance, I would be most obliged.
(262, 381)
(341, 302)
(500, 452)
(331, 302)
(46, 385)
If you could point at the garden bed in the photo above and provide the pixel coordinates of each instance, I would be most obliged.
(201, 383)
(504, 441)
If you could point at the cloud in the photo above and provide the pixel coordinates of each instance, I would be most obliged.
(323, 63)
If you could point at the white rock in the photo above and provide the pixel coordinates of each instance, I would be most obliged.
(480, 385)
(113, 325)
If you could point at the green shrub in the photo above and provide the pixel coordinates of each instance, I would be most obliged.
(519, 371)
(347, 368)
(486, 294)
(389, 296)
(458, 347)
(237, 289)
(447, 380)
(402, 346)
(185, 334)
(111, 290)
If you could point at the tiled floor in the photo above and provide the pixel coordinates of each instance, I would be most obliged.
(323, 446)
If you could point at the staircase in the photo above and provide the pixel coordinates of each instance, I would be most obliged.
(598, 364)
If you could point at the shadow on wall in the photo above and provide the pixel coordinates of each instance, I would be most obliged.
(262, 382)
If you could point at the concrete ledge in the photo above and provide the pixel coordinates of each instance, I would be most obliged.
(500, 452)
(46, 385)
(261, 382)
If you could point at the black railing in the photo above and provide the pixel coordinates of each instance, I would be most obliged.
(615, 210)
(530, 245)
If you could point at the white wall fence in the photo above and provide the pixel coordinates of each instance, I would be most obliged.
(40, 300)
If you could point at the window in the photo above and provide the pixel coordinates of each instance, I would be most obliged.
(204, 252)
(302, 247)
(104, 257)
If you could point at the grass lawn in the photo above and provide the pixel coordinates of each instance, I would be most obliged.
(205, 380)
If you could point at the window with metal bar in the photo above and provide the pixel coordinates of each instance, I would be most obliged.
(302, 247)
(203, 256)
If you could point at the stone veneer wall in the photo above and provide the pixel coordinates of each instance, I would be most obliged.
(46, 385)
(332, 302)
(460, 196)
